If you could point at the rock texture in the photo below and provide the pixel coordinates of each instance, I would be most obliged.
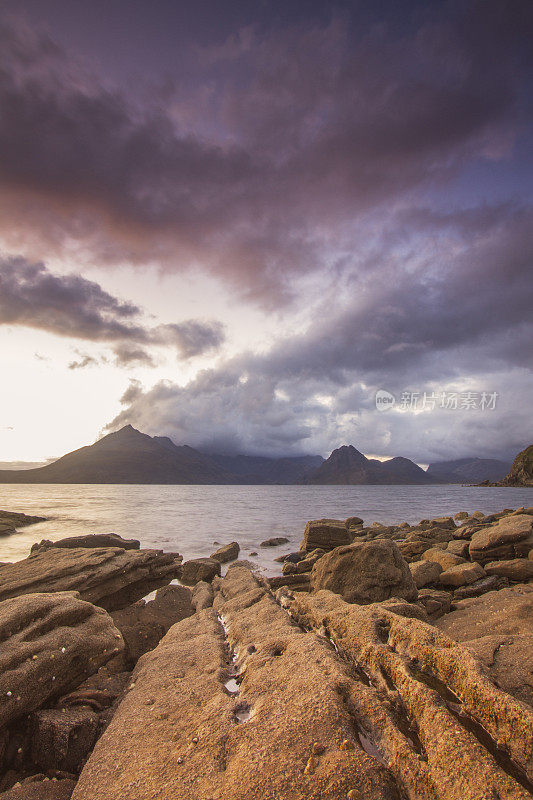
(109, 576)
(366, 572)
(498, 628)
(510, 537)
(200, 569)
(228, 552)
(462, 574)
(41, 789)
(521, 473)
(517, 569)
(90, 540)
(18, 520)
(49, 644)
(424, 572)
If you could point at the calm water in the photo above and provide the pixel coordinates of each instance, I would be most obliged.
(189, 519)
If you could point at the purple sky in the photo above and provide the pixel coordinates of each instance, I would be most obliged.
(233, 223)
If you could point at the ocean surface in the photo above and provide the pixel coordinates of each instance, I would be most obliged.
(190, 519)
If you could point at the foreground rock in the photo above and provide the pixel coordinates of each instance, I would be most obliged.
(498, 628)
(510, 537)
(109, 576)
(228, 552)
(366, 572)
(49, 644)
(41, 788)
(90, 540)
(325, 534)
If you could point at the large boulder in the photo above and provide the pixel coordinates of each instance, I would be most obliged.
(110, 577)
(366, 572)
(325, 534)
(228, 552)
(89, 540)
(424, 572)
(50, 643)
(510, 537)
(517, 569)
(200, 569)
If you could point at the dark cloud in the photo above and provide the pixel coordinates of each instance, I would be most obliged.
(85, 360)
(258, 161)
(72, 306)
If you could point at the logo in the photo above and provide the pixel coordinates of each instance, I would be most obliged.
(384, 400)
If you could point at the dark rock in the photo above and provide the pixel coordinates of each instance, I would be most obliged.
(19, 520)
(517, 569)
(63, 738)
(90, 540)
(353, 522)
(44, 789)
(294, 581)
(275, 541)
(109, 576)
(199, 569)
(366, 572)
(435, 602)
(49, 644)
(458, 547)
(202, 596)
(489, 584)
(229, 552)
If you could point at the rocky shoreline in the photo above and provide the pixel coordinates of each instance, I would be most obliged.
(386, 662)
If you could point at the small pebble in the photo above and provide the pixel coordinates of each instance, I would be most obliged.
(347, 745)
(317, 749)
(310, 766)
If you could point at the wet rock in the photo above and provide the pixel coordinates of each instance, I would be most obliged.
(19, 520)
(488, 584)
(517, 569)
(108, 576)
(424, 572)
(498, 629)
(435, 602)
(325, 534)
(202, 596)
(44, 789)
(63, 738)
(442, 557)
(439, 687)
(90, 540)
(274, 541)
(462, 574)
(228, 552)
(199, 569)
(365, 572)
(49, 644)
(511, 537)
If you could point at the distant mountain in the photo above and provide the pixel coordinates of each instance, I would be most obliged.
(521, 472)
(346, 465)
(469, 470)
(129, 456)
(260, 469)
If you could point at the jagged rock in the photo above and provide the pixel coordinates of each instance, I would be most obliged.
(446, 559)
(109, 576)
(274, 541)
(49, 644)
(424, 572)
(43, 789)
(228, 552)
(517, 569)
(521, 473)
(435, 602)
(325, 534)
(511, 537)
(498, 629)
(488, 584)
(62, 738)
(365, 572)
(434, 686)
(199, 569)
(202, 596)
(90, 540)
(143, 625)
(180, 735)
(462, 574)
(18, 519)
(458, 547)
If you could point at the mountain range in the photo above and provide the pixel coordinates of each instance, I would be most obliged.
(131, 457)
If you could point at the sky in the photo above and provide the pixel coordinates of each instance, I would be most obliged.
(239, 224)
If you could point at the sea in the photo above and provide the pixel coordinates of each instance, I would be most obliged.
(194, 520)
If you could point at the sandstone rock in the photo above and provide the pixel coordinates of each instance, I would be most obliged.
(438, 522)
(202, 596)
(461, 515)
(298, 583)
(462, 574)
(180, 735)
(366, 572)
(458, 547)
(228, 552)
(62, 738)
(109, 577)
(90, 540)
(199, 569)
(488, 584)
(413, 549)
(49, 644)
(424, 572)
(44, 789)
(517, 569)
(275, 541)
(353, 522)
(438, 686)
(511, 537)
(325, 534)
(19, 520)
(498, 629)
(442, 557)
(435, 602)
